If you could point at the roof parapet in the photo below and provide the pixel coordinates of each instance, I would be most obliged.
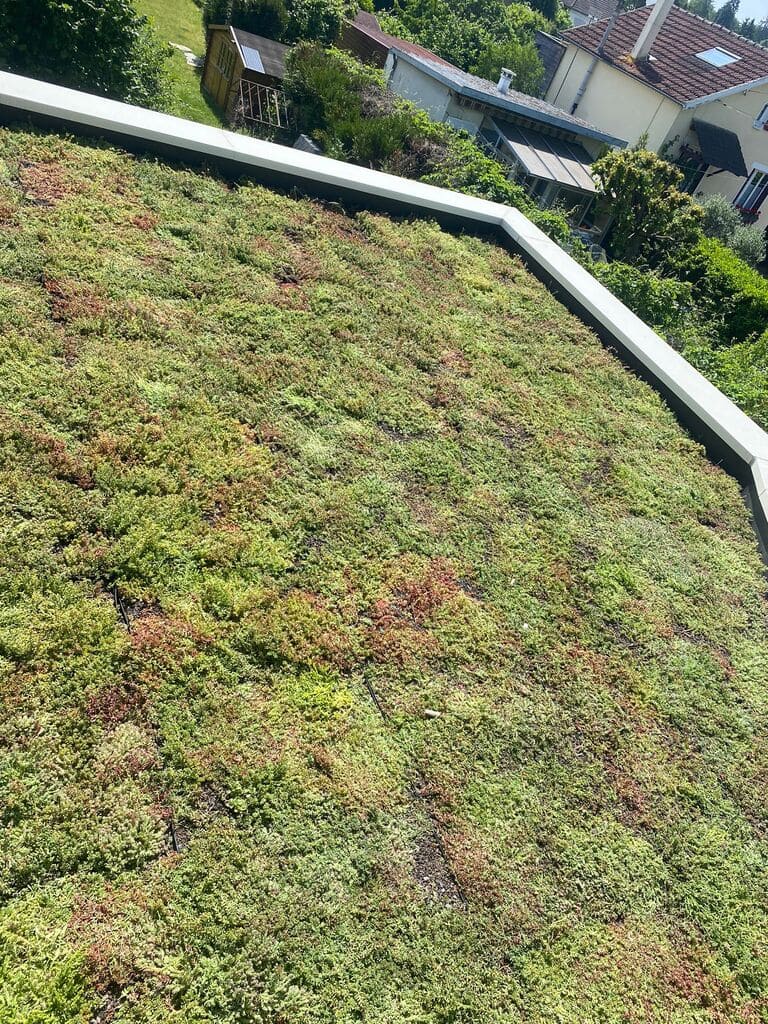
(706, 411)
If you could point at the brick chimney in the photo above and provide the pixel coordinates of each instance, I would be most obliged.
(642, 48)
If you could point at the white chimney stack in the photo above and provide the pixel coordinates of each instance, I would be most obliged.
(652, 27)
(506, 80)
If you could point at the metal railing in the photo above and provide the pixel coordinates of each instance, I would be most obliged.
(261, 105)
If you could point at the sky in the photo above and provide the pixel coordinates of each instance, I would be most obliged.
(757, 9)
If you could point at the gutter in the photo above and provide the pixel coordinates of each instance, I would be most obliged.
(730, 436)
(733, 91)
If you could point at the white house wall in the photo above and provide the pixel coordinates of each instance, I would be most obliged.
(616, 103)
(421, 89)
(619, 104)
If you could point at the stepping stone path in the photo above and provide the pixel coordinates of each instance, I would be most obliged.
(189, 56)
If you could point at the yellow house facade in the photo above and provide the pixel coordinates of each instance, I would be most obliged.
(696, 92)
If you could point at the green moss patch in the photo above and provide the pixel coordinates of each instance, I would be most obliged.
(373, 646)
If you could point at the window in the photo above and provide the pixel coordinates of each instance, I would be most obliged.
(761, 121)
(751, 197)
(225, 59)
(717, 58)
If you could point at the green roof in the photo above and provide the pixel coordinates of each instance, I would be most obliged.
(373, 646)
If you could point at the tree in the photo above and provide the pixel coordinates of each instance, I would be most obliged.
(704, 8)
(650, 213)
(103, 47)
(521, 58)
(263, 17)
(727, 16)
(288, 20)
(748, 29)
(480, 36)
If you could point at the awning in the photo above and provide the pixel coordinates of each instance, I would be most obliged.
(544, 156)
(720, 148)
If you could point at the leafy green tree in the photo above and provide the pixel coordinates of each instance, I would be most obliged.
(479, 37)
(521, 58)
(288, 20)
(316, 20)
(727, 16)
(263, 17)
(548, 8)
(704, 8)
(721, 220)
(651, 215)
(103, 47)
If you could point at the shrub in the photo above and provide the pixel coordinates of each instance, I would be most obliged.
(661, 302)
(106, 48)
(740, 370)
(650, 213)
(749, 244)
(344, 105)
(725, 284)
(721, 220)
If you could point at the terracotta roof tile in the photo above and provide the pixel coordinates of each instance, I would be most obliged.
(368, 23)
(675, 70)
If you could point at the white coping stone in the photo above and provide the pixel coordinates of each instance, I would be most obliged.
(760, 477)
(735, 429)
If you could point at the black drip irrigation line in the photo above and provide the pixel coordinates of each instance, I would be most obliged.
(120, 606)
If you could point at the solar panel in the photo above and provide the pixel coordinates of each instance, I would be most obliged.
(252, 59)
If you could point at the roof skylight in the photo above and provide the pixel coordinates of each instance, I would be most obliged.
(718, 57)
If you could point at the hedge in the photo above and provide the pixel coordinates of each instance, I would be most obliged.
(729, 287)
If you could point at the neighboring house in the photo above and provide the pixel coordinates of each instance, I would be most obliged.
(697, 92)
(582, 12)
(366, 39)
(548, 151)
(243, 75)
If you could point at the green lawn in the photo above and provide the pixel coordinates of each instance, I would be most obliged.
(373, 646)
(180, 21)
(177, 21)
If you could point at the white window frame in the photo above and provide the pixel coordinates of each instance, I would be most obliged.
(756, 183)
(762, 118)
(704, 56)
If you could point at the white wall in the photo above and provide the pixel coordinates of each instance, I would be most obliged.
(414, 85)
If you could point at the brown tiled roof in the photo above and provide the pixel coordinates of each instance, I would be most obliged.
(675, 70)
(368, 23)
(592, 8)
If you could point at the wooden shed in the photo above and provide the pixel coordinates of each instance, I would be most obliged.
(243, 75)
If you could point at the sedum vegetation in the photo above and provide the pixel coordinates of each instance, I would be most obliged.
(373, 646)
